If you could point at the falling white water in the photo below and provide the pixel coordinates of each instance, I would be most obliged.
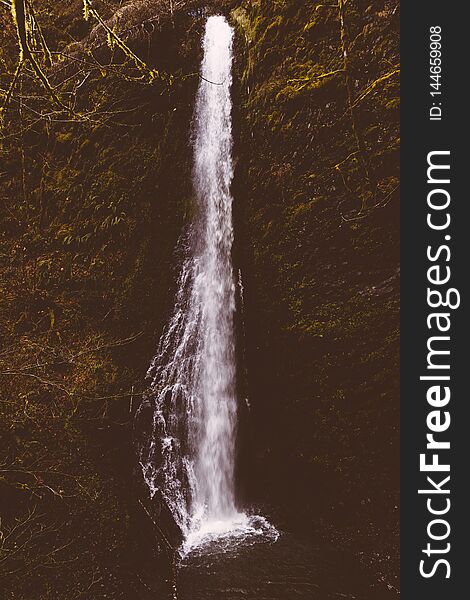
(189, 456)
(215, 285)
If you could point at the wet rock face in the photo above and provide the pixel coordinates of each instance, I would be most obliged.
(153, 515)
(317, 241)
(89, 262)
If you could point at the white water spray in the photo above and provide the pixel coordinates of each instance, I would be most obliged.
(189, 456)
(215, 285)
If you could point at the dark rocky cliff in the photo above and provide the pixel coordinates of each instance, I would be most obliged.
(317, 221)
(91, 216)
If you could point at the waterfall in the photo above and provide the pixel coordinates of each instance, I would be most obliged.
(214, 281)
(188, 456)
(191, 456)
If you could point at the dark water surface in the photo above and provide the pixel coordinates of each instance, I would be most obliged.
(265, 570)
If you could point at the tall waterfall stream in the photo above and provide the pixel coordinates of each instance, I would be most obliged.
(187, 454)
(190, 456)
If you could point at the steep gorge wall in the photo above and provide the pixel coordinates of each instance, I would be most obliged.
(317, 239)
(91, 217)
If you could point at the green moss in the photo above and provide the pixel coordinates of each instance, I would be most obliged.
(248, 21)
(321, 17)
(316, 269)
(271, 31)
(304, 78)
(64, 136)
(393, 104)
